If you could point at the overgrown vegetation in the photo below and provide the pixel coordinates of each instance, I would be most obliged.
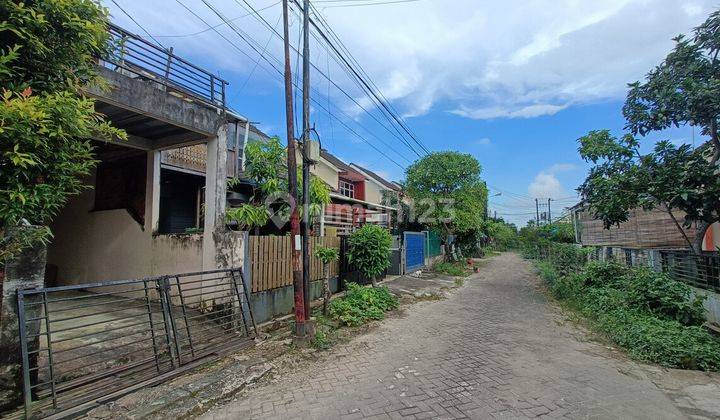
(534, 240)
(653, 317)
(47, 55)
(362, 304)
(455, 269)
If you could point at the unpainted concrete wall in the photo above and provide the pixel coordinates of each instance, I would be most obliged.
(278, 302)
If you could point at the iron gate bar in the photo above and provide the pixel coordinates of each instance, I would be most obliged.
(194, 326)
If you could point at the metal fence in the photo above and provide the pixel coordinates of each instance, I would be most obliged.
(701, 271)
(83, 343)
(131, 53)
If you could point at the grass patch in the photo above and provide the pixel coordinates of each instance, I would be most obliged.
(651, 316)
(359, 306)
(454, 269)
(362, 304)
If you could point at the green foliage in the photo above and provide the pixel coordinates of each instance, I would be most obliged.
(265, 164)
(51, 45)
(248, 216)
(362, 304)
(370, 250)
(682, 90)
(448, 191)
(503, 236)
(48, 52)
(266, 167)
(534, 241)
(653, 317)
(327, 255)
(12, 243)
(455, 269)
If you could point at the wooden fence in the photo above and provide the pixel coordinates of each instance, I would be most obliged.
(271, 260)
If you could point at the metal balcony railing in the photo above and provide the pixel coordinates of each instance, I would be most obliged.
(131, 54)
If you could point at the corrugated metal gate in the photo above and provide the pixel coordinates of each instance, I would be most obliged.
(414, 245)
(83, 344)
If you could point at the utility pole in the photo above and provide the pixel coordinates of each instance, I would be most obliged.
(292, 186)
(537, 213)
(549, 214)
(306, 158)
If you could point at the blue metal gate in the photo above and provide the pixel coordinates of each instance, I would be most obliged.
(414, 243)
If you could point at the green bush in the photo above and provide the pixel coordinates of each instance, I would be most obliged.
(665, 297)
(666, 342)
(362, 304)
(656, 319)
(370, 250)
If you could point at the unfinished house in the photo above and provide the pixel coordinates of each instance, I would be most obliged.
(157, 200)
(143, 277)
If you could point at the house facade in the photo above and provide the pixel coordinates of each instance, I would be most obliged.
(357, 197)
(157, 201)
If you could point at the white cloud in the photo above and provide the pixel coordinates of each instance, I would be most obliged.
(479, 59)
(530, 111)
(545, 185)
(562, 167)
(483, 142)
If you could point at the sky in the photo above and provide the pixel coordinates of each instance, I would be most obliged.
(515, 83)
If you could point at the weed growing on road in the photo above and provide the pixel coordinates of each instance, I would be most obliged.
(362, 304)
(456, 269)
(653, 317)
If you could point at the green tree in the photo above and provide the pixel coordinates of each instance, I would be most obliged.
(47, 54)
(327, 256)
(267, 169)
(448, 192)
(682, 90)
(370, 250)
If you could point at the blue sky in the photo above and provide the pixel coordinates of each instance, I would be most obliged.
(514, 83)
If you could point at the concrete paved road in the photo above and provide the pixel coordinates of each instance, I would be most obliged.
(493, 349)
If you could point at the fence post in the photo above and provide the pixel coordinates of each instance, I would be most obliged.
(162, 286)
(168, 64)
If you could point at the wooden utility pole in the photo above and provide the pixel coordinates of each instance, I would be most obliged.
(292, 186)
(306, 157)
(537, 213)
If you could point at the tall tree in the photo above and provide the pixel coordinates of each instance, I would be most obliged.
(447, 191)
(48, 51)
(683, 90)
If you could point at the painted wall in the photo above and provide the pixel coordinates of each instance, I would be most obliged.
(326, 173)
(108, 245)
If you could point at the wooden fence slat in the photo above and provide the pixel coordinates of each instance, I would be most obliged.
(271, 260)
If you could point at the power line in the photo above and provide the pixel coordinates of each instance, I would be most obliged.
(365, 4)
(378, 97)
(261, 19)
(244, 36)
(137, 23)
(216, 26)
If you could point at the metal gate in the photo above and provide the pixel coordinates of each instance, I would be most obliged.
(414, 245)
(87, 343)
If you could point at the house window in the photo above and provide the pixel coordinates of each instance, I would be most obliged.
(347, 189)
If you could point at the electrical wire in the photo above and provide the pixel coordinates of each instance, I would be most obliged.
(246, 38)
(260, 18)
(137, 23)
